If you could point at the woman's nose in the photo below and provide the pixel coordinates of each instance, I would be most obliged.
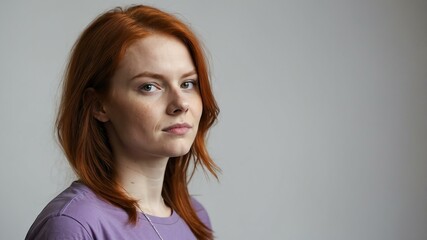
(178, 103)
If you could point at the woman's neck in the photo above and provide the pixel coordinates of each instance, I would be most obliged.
(143, 181)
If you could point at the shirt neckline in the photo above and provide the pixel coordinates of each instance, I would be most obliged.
(173, 218)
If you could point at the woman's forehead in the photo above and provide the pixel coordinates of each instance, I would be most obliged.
(159, 54)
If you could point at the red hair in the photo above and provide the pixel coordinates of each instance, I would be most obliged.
(93, 61)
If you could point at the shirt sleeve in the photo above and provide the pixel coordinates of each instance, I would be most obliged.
(60, 228)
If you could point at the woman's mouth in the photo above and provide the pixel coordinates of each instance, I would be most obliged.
(178, 129)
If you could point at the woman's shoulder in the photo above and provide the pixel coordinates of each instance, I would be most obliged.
(77, 201)
(72, 214)
(201, 212)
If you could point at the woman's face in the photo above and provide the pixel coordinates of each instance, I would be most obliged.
(154, 106)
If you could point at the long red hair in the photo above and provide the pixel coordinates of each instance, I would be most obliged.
(93, 61)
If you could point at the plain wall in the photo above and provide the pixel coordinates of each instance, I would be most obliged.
(323, 126)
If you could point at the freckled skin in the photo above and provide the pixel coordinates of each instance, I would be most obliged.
(137, 110)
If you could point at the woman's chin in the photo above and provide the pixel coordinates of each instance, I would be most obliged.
(179, 152)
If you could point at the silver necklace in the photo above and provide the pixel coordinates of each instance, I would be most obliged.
(151, 223)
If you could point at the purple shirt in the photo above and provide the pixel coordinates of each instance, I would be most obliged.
(77, 213)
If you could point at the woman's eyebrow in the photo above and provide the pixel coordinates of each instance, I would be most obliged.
(148, 74)
(160, 76)
(190, 73)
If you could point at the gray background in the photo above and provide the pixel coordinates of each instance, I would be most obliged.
(323, 128)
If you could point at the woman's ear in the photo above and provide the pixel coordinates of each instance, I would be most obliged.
(92, 98)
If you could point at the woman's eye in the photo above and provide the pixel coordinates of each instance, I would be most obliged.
(149, 87)
(188, 84)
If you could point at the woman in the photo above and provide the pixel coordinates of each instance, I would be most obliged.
(135, 111)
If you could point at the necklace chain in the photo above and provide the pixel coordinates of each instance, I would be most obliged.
(151, 223)
(148, 219)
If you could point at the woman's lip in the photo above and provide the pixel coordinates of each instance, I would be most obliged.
(179, 128)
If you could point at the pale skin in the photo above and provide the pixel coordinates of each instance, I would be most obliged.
(151, 113)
